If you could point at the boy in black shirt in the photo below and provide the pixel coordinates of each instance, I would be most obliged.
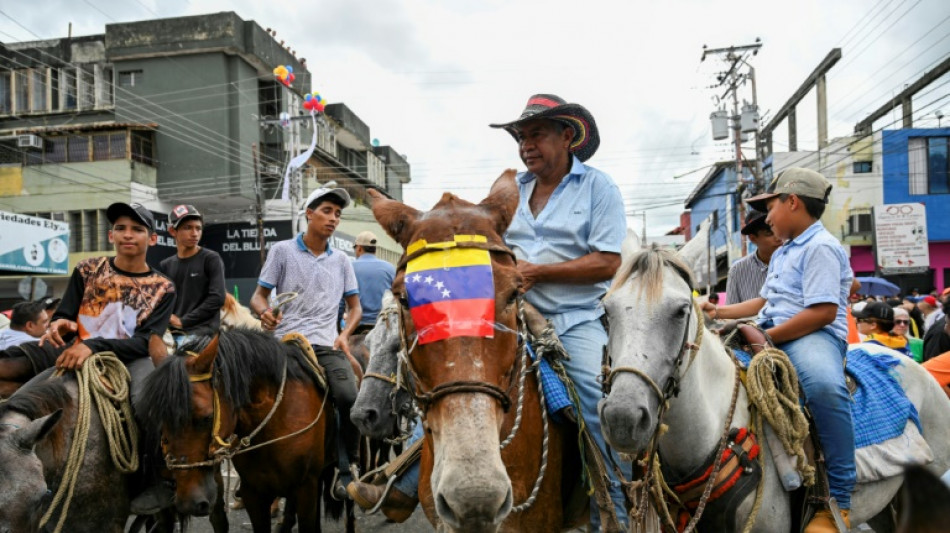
(198, 274)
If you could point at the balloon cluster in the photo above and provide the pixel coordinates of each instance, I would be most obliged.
(314, 102)
(285, 74)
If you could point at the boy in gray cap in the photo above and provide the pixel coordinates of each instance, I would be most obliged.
(802, 306)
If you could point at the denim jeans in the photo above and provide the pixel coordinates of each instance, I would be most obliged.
(585, 344)
(819, 360)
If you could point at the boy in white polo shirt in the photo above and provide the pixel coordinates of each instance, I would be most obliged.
(321, 277)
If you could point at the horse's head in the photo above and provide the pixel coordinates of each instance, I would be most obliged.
(462, 361)
(652, 323)
(381, 398)
(23, 493)
(179, 401)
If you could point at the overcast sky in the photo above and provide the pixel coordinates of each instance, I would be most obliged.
(428, 76)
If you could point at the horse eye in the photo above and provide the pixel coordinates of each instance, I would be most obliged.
(404, 301)
(681, 312)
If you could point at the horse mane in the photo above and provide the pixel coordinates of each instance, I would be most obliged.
(40, 399)
(245, 357)
(648, 265)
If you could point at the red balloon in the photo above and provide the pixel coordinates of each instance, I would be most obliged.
(291, 76)
(308, 105)
(320, 107)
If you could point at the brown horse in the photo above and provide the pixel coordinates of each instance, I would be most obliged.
(469, 386)
(247, 396)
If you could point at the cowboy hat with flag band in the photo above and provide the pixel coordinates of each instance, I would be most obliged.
(548, 106)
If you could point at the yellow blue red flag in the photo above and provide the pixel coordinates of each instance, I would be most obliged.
(451, 290)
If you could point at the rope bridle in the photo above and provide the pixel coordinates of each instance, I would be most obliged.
(224, 449)
(426, 399)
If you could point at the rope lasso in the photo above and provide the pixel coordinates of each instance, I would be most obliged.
(773, 388)
(115, 413)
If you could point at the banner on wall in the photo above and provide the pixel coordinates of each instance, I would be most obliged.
(32, 244)
(900, 238)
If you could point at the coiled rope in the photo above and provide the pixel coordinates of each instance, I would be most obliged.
(105, 380)
(772, 385)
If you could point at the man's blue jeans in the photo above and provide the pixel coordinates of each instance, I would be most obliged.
(819, 360)
(585, 344)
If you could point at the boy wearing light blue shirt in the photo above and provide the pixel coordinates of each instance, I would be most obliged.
(802, 306)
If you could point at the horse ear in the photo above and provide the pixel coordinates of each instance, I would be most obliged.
(205, 358)
(395, 217)
(502, 200)
(630, 245)
(27, 437)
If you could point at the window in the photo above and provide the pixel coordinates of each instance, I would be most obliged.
(862, 167)
(268, 97)
(69, 94)
(87, 87)
(927, 166)
(130, 78)
(6, 93)
(55, 149)
(859, 221)
(77, 148)
(38, 89)
(22, 90)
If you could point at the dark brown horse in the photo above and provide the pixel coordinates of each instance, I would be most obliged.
(469, 386)
(247, 396)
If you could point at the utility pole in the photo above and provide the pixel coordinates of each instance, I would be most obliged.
(732, 79)
(259, 204)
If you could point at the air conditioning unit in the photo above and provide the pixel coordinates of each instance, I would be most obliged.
(29, 141)
(272, 169)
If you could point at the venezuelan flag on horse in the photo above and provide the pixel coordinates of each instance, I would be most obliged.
(451, 291)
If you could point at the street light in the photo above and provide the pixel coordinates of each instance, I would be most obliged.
(939, 114)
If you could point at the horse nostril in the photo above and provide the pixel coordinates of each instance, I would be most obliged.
(371, 416)
(643, 426)
(445, 512)
(202, 508)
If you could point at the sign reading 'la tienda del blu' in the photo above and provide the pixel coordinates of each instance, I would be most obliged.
(31, 244)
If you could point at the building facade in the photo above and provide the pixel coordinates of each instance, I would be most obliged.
(180, 110)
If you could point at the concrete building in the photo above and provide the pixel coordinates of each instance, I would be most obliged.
(174, 111)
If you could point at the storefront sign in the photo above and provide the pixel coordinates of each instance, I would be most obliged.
(900, 238)
(32, 244)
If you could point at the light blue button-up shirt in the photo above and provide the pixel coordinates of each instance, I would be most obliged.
(807, 270)
(583, 215)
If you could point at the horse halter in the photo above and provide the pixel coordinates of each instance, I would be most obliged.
(672, 386)
(426, 399)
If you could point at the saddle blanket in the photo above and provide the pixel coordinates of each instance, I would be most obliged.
(555, 392)
(887, 430)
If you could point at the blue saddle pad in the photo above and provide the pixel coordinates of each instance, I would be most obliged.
(555, 392)
(880, 408)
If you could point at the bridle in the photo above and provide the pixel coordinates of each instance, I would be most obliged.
(640, 490)
(223, 449)
(425, 399)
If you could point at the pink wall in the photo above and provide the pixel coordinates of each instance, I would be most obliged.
(862, 260)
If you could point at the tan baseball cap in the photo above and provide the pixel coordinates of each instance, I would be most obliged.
(798, 181)
(366, 238)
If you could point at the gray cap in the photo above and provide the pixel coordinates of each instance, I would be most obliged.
(798, 181)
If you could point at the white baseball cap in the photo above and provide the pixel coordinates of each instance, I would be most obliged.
(317, 194)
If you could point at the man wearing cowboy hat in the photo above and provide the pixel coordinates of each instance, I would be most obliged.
(566, 234)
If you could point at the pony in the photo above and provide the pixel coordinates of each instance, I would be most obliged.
(36, 431)
(466, 386)
(655, 328)
(381, 402)
(246, 396)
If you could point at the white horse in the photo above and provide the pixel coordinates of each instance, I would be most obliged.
(652, 316)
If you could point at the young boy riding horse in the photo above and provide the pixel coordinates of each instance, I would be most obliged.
(802, 307)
